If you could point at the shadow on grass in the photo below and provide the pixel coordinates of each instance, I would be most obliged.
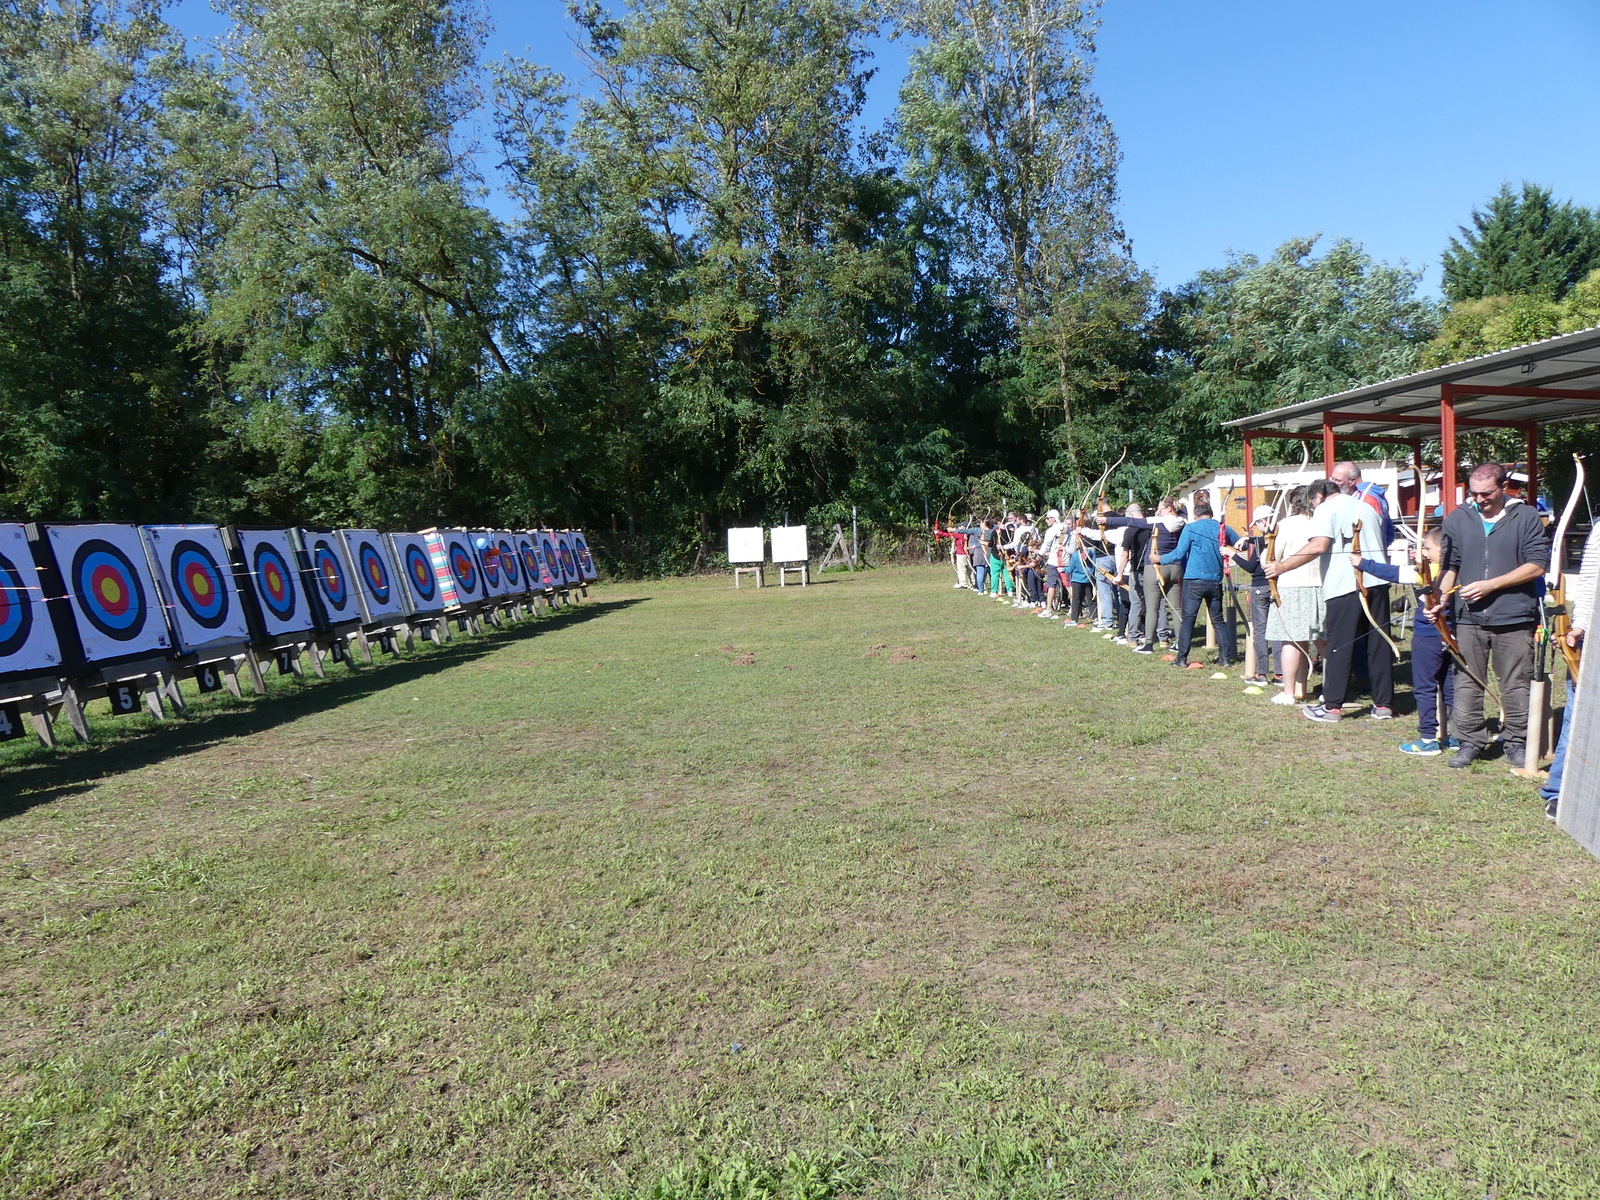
(46, 775)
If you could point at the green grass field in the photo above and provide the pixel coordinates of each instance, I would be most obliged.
(871, 888)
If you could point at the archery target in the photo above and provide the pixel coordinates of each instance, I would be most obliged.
(275, 582)
(416, 570)
(197, 581)
(550, 552)
(379, 597)
(332, 573)
(494, 579)
(580, 550)
(27, 639)
(529, 554)
(510, 563)
(109, 590)
(456, 568)
(567, 558)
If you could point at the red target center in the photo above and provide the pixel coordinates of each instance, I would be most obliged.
(274, 580)
(111, 590)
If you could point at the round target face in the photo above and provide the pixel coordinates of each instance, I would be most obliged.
(421, 572)
(274, 581)
(585, 560)
(197, 584)
(530, 560)
(566, 561)
(491, 566)
(461, 566)
(330, 574)
(551, 562)
(16, 610)
(508, 562)
(374, 571)
(108, 589)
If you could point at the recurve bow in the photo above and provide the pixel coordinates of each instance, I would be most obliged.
(1361, 590)
(1555, 597)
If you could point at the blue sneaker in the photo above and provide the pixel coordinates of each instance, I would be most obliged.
(1451, 743)
(1428, 746)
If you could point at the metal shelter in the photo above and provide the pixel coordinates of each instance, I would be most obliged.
(1523, 388)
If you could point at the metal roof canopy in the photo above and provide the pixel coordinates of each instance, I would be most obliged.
(1557, 379)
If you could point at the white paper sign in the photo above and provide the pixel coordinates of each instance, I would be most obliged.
(789, 544)
(746, 545)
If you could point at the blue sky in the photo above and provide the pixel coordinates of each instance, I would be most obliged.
(1246, 122)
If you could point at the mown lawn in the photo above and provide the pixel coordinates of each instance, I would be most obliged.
(928, 899)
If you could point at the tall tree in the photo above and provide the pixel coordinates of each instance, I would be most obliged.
(101, 409)
(1522, 243)
(1001, 124)
(350, 278)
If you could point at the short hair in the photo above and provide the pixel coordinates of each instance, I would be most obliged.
(1490, 470)
(1434, 537)
(1202, 508)
(1135, 509)
(1321, 489)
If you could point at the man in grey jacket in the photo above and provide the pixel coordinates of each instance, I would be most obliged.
(1496, 552)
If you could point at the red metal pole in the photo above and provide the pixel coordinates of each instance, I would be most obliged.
(1328, 448)
(1533, 464)
(1447, 441)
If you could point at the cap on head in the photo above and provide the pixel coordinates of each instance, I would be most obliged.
(1053, 515)
(1263, 512)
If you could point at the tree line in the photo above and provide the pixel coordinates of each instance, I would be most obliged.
(261, 282)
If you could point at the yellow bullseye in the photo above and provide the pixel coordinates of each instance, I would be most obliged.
(110, 591)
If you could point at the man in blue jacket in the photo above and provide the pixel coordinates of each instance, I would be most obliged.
(1199, 549)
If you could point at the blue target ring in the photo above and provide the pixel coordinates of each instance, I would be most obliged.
(274, 581)
(420, 570)
(16, 609)
(530, 561)
(325, 562)
(374, 571)
(108, 590)
(197, 584)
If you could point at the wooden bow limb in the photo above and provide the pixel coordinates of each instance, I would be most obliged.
(1558, 616)
(1361, 591)
(1430, 588)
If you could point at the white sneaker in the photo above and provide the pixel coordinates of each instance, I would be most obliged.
(1283, 698)
(1121, 641)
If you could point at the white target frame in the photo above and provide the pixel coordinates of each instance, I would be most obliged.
(400, 547)
(789, 544)
(527, 544)
(580, 548)
(277, 622)
(94, 615)
(37, 651)
(569, 561)
(193, 633)
(376, 608)
(494, 583)
(337, 608)
(506, 542)
(746, 544)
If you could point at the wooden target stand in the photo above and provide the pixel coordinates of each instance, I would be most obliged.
(30, 701)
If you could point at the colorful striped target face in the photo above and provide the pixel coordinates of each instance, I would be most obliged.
(420, 572)
(16, 609)
(462, 569)
(274, 579)
(110, 594)
(330, 573)
(197, 584)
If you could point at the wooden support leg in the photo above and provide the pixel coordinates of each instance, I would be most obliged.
(151, 684)
(252, 665)
(230, 678)
(366, 647)
(74, 709)
(172, 689)
(39, 718)
(315, 653)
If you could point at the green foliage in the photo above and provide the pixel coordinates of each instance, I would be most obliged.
(1522, 244)
(1257, 335)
